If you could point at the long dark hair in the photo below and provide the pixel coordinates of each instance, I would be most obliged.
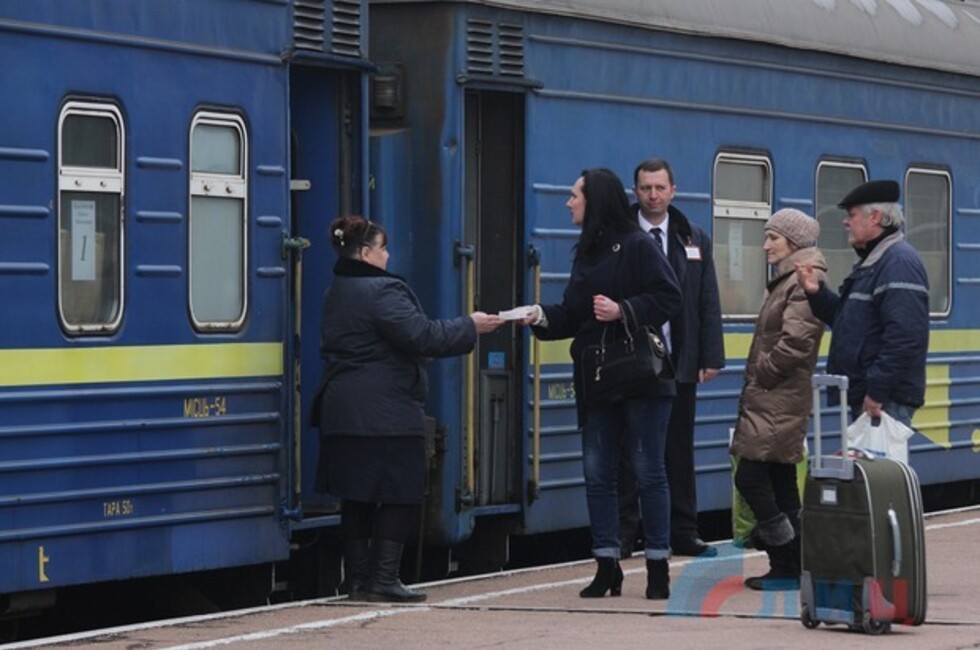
(606, 210)
(348, 234)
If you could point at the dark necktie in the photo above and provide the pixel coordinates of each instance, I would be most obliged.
(659, 235)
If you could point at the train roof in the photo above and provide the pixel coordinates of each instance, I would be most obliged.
(933, 34)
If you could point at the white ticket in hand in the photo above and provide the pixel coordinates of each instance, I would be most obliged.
(517, 313)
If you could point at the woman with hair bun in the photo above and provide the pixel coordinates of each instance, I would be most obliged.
(374, 340)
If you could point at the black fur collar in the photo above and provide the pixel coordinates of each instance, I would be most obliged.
(353, 268)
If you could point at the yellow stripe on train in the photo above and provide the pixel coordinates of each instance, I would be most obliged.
(932, 420)
(737, 345)
(53, 366)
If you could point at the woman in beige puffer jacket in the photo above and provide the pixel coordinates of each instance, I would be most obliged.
(774, 408)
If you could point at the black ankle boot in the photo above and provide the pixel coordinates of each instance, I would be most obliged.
(357, 568)
(383, 585)
(608, 577)
(784, 569)
(658, 580)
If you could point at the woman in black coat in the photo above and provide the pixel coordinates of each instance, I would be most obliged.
(374, 340)
(617, 266)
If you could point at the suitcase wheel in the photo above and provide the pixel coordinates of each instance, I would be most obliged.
(805, 618)
(873, 627)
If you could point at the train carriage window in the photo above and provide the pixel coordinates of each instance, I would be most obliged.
(742, 201)
(928, 215)
(218, 163)
(834, 181)
(90, 217)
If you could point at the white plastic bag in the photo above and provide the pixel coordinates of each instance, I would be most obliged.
(888, 439)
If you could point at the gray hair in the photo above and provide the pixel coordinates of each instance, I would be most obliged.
(891, 213)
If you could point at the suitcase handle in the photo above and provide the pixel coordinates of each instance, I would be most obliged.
(838, 467)
(821, 380)
(896, 542)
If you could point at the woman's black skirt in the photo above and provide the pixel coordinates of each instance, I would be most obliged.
(373, 469)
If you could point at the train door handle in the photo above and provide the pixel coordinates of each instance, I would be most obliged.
(290, 244)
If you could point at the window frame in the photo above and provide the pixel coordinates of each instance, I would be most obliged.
(221, 186)
(100, 180)
(741, 210)
(860, 165)
(945, 173)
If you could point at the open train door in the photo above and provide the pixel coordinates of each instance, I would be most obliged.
(327, 142)
(326, 157)
(492, 261)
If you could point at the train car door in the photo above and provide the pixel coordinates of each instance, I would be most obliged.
(493, 202)
(326, 154)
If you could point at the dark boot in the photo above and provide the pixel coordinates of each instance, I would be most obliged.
(779, 539)
(784, 569)
(357, 568)
(793, 552)
(626, 548)
(658, 580)
(383, 584)
(772, 532)
(608, 577)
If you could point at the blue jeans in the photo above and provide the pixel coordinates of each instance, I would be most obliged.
(901, 412)
(642, 421)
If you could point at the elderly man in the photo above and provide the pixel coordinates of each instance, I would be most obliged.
(880, 320)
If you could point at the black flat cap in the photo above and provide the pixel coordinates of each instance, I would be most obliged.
(871, 192)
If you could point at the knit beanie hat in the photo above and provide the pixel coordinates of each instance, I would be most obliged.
(799, 228)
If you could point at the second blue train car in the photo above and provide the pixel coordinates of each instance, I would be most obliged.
(493, 108)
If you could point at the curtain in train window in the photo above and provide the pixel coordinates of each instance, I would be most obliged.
(218, 221)
(834, 181)
(928, 215)
(90, 217)
(742, 202)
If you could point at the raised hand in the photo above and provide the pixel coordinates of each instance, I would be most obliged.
(807, 278)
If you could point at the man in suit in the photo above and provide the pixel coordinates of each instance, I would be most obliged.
(697, 348)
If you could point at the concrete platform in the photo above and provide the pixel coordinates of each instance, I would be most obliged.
(540, 609)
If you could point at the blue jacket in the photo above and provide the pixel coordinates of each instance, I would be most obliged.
(629, 266)
(375, 339)
(880, 325)
(696, 335)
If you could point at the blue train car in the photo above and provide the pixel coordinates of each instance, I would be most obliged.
(492, 109)
(162, 165)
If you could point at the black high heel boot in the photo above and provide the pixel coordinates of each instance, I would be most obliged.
(658, 580)
(608, 577)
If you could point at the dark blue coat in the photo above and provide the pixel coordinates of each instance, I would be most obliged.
(696, 336)
(880, 325)
(629, 266)
(374, 340)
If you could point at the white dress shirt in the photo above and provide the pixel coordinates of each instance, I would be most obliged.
(665, 328)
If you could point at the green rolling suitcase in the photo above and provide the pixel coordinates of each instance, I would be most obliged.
(863, 541)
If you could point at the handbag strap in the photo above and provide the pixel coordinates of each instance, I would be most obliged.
(628, 314)
(626, 325)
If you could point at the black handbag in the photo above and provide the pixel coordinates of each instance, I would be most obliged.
(617, 368)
